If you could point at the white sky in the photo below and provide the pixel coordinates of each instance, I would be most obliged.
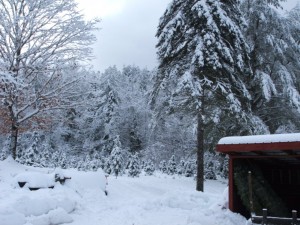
(128, 27)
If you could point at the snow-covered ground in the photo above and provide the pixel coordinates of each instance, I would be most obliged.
(147, 200)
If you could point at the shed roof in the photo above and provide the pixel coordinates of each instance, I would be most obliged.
(257, 139)
(262, 146)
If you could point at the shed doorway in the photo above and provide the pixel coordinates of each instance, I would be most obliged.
(274, 162)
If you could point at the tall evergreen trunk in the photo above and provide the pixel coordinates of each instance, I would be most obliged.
(200, 147)
(200, 150)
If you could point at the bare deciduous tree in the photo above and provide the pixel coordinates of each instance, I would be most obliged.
(41, 45)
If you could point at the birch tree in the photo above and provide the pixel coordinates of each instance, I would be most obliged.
(41, 41)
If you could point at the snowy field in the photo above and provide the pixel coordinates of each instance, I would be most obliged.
(147, 200)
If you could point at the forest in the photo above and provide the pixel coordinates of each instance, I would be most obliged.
(226, 68)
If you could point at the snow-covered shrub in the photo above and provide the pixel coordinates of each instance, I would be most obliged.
(4, 151)
(211, 165)
(116, 160)
(134, 166)
(107, 166)
(30, 155)
(171, 167)
(149, 168)
(224, 167)
(190, 168)
(163, 166)
(181, 167)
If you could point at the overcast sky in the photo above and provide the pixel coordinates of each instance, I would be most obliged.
(128, 27)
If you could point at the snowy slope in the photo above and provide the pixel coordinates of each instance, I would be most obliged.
(147, 200)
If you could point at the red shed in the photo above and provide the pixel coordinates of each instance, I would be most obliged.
(277, 156)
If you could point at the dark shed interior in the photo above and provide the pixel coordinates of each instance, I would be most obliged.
(275, 164)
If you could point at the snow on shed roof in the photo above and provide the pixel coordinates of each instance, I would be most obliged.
(259, 139)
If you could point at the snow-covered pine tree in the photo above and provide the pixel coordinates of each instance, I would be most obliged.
(4, 152)
(107, 166)
(171, 166)
(224, 170)
(63, 161)
(203, 62)
(274, 53)
(210, 165)
(134, 168)
(163, 166)
(149, 167)
(181, 167)
(116, 160)
(30, 156)
(190, 168)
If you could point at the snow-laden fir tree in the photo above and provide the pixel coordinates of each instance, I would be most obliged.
(134, 167)
(204, 66)
(163, 166)
(274, 51)
(107, 166)
(116, 160)
(4, 151)
(190, 168)
(149, 167)
(224, 172)
(63, 160)
(181, 167)
(171, 166)
(211, 165)
(30, 156)
(209, 171)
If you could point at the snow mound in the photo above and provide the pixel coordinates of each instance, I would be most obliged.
(45, 206)
(35, 179)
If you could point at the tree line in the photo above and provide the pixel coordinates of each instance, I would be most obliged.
(225, 68)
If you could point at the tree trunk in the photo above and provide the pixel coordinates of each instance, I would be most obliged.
(200, 150)
(14, 140)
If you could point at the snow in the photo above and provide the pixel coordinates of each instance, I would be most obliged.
(147, 200)
(257, 139)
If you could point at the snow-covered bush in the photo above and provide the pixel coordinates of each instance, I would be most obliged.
(116, 160)
(171, 167)
(210, 166)
(181, 167)
(4, 151)
(163, 166)
(134, 166)
(190, 168)
(149, 168)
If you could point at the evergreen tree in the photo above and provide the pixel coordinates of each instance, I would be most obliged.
(62, 161)
(134, 168)
(181, 167)
(116, 159)
(163, 166)
(171, 166)
(107, 166)
(224, 167)
(274, 53)
(203, 58)
(4, 151)
(149, 168)
(31, 155)
(210, 165)
(209, 173)
(190, 168)
(55, 158)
